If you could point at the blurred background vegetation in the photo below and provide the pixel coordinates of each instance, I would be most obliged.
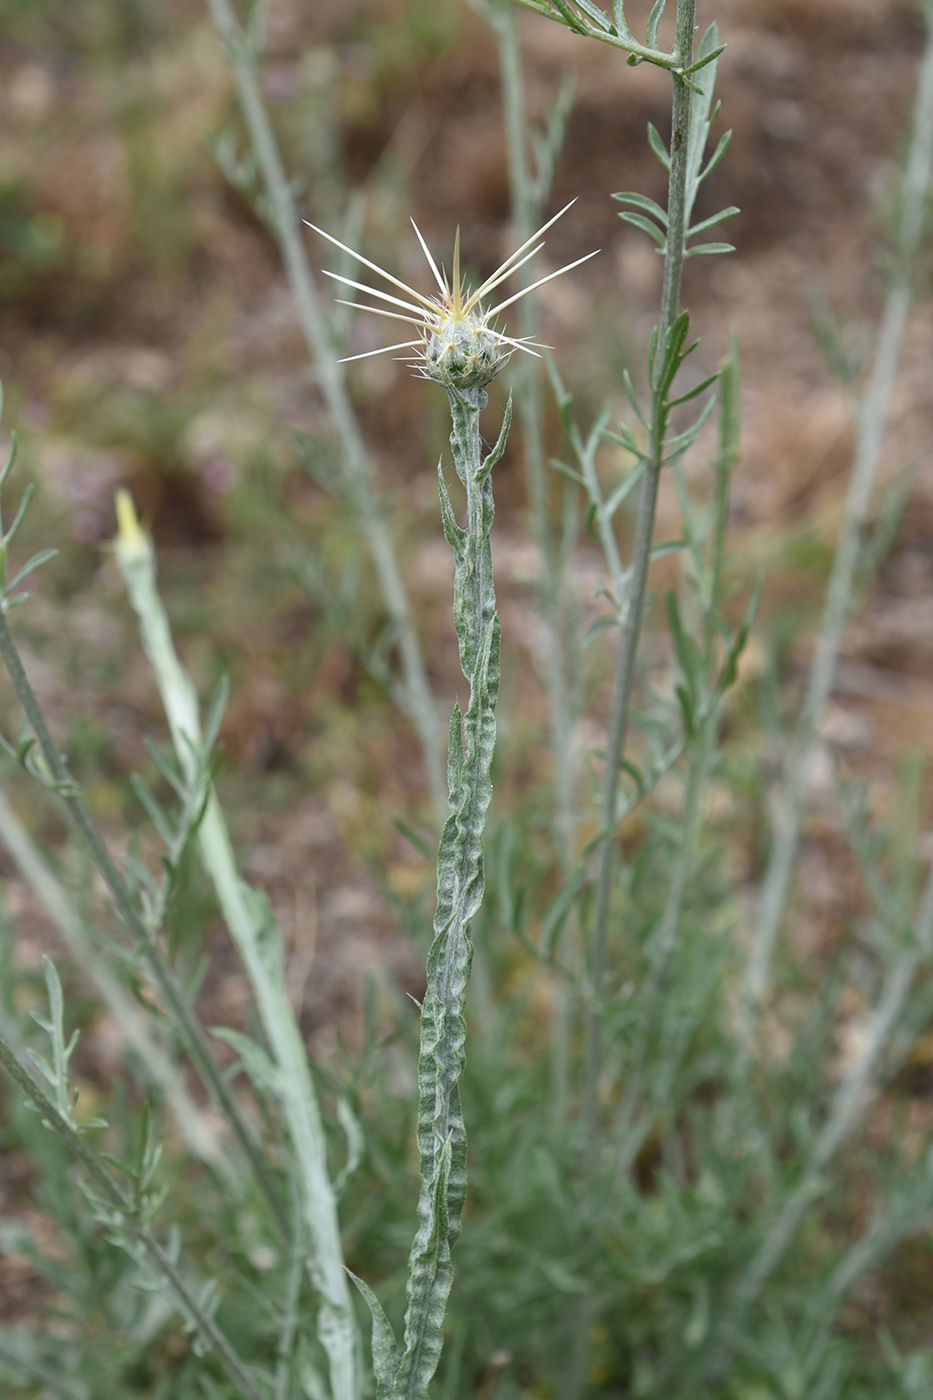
(149, 340)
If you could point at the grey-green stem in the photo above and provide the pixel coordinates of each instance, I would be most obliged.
(460, 885)
(175, 1000)
(528, 198)
(637, 594)
(258, 940)
(114, 1197)
(850, 1102)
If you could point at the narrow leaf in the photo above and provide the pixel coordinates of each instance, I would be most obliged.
(711, 222)
(496, 454)
(569, 472)
(453, 534)
(706, 58)
(654, 19)
(598, 16)
(659, 551)
(692, 393)
(656, 143)
(624, 489)
(385, 1347)
(717, 155)
(633, 400)
(709, 249)
(36, 562)
(646, 205)
(560, 908)
(639, 221)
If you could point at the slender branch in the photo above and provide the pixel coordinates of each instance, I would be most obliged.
(114, 1197)
(358, 469)
(175, 1000)
(850, 1102)
(626, 41)
(154, 1061)
(252, 927)
(528, 197)
(870, 430)
(39, 1372)
(644, 528)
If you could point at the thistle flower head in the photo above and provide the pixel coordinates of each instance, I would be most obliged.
(458, 344)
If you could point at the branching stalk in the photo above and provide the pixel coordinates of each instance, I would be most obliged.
(678, 215)
(154, 1061)
(115, 1197)
(849, 1105)
(528, 198)
(870, 429)
(169, 989)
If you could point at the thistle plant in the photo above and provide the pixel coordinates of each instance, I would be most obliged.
(460, 348)
(671, 1204)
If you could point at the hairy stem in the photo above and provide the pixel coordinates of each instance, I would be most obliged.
(460, 884)
(527, 207)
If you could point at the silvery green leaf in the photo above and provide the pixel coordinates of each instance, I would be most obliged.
(711, 222)
(598, 16)
(656, 143)
(36, 562)
(709, 249)
(639, 221)
(654, 19)
(646, 205)
(385, 1347)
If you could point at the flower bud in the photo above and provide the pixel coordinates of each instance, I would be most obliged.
(464, 352)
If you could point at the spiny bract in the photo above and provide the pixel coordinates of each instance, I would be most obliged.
(458, 346)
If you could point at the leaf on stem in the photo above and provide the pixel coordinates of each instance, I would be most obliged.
(656, 143)
(384, 1345)
(709, 250)
(646, 226)
(646, 205)
(654, 19)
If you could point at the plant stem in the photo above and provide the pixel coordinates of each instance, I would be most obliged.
(637, 595)
(361, 487)
(253, 929)
(849, 1105)
(154, 1062)
(870, 430)
(175, 1000)
(39, 1372)
(460, 885)
(527, 207)
(115, 1198)
(528, 197)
